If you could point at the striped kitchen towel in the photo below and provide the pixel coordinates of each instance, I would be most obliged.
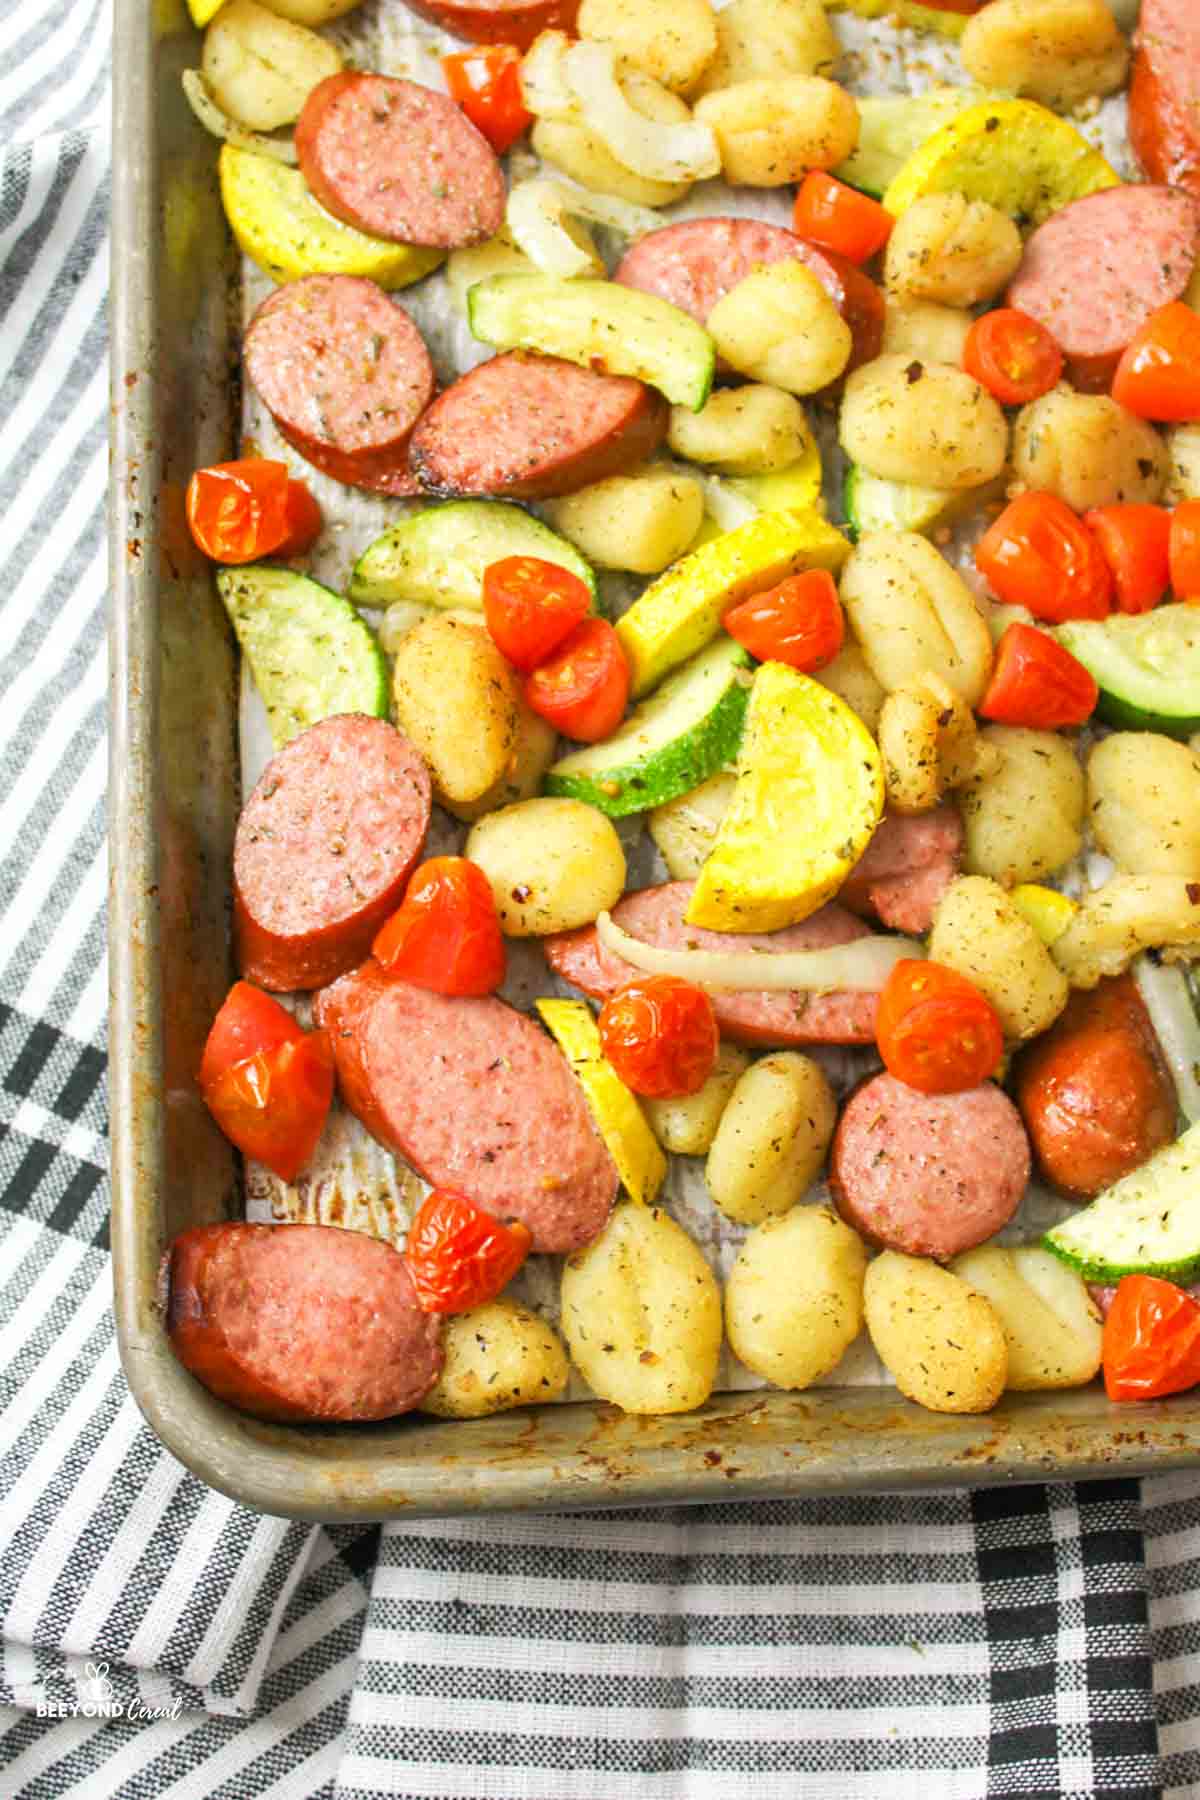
(158, 1640)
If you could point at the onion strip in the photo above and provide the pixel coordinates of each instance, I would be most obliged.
(544, 87)
(218, 122)
(724, 505)
(539, 224)
(1168, 1000)
(861, 966)
(686, 151)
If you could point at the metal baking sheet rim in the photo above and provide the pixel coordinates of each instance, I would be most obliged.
(172, 799)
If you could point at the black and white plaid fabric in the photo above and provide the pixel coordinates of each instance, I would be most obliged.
(1039, 1641)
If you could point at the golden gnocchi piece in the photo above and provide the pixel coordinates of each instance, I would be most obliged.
(749, 430)
(1128, 914)
(951, 250)
(1058, 52)
(688, 1124)
(913, 615)
(1143, 794)
(1088, 450)
(978, 931)
(1023, 817)
(922, 423)
(928, 743)
(940, 1340)
(769, 38)
(779, 326)
(262, 68)
(773, 1137)
(925, 330)
(641, 522)
(849, 676)
(794, 1298)
(674, 44)
(553, 864)
(497, 1356)
(772, 130)
(1051, 1324)
(458, 700)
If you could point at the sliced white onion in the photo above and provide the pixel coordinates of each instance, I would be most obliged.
(686, 151)
(861, 966)
(724, 505)
(544, 86)
(539, 224)
(606, 209)
(1173, 1016)
(211, 116)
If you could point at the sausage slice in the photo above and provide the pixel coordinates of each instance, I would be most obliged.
(498, 21)
(906, 868)
(1096, 270)
(476, 1097)
(345, 375)
(1095, 1092)
(323, 849)
(296, 1322)
(530, 427)
(399, 161)
(928, 1174)
(656, 915)
(1164, 93)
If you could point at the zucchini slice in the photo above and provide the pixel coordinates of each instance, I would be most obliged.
(872, 504)
(1146, 665)
(1148, 1223)
(437, 556)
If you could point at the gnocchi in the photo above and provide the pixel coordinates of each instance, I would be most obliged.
(928, 743)
(757, 38)
(640, 522)
(1088, 450)
(572, 146)
(553, 864)
(686, 829)
(687, 1125)
(1128, 914)
(925, 330)
(534, 748)
(940, 1340)
(772, 1138)
(1183, 458)
(978, 931)
(772, 130)
(923, 423)
(1058, 52)
(1051, 1324)
(742, 431)
(457, 699)
(794, 1298)
(675, 44)
(1143, 795)
(497, 1356)
(951, 250)
(779, 326)
(912, 615)
(641, 1313)
(1023, 818)
(262, 68)
(849, 676)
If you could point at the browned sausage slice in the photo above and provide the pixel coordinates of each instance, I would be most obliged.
(906, 868)
(656, 915)
(345, 374)
(498, 21)
(1164, 93)
(476, 1097)
(928, 1174)
(299, 1321)
(323, 849)
(1097, 269)
(1095, 1092)
(530, 427)
(399, 161)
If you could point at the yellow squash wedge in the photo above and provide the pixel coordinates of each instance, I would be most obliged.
(1048, 911)
(619, 1119)
(204, 10)
(808, 795)
(681, 612)
(277, 222)
(794, 489)
(1017, 155)
(909, 12)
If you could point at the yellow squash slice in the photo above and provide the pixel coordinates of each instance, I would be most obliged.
(808, 795)
(1015, 154)
(619, 1119)
(277, 222)
(681, 612)
(794, 489)
(204, 10)
(1048, 911)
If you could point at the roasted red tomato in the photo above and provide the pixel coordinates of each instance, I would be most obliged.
(1134, 541)
(1037, 683)
(799, 622)
(660, 1035)
(1151, 1340)
(1158, 376)
(238, 511)
(582, 689)
(1012, 356)
(486, 83)
(445, 935)
(267, 1082)
(531, 606)
(1183, 546)
(1039, 555)
(458, 1255)
(936, 1032)
(838, 217)
(304, 521)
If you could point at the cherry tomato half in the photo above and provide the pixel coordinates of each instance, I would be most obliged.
(799, 622)
(238, 511)
(1012, 356)
(1184, 551)
(267, 1082)
(1158, 376)
(304, 521)
(531, 606)
(458, 1255)
(1037, 683)
(582, 689)
(660, 1035)
(1039, 555)
(936, 1032)
(445, 935)
(486, 83)
(1151, 1343)
(1133, 540)
(839, 218)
